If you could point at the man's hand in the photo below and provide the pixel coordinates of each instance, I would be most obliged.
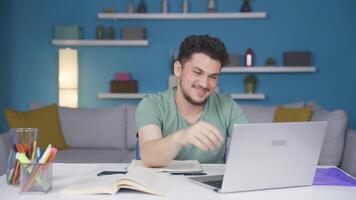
(202, 135)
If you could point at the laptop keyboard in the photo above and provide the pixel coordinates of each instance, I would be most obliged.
(216, 184)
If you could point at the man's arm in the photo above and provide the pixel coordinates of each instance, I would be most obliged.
(156, 150)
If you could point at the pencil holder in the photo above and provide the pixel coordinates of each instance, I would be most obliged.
(36, 178)
(23, 141)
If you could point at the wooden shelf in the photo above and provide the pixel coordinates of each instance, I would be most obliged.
(250, 15)
(240, 96)
(244, 96)
(100, 42)
(279, 69)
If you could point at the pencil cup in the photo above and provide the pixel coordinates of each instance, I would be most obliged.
(36, 178)
(23, 140)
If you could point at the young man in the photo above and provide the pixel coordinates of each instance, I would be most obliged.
(191, 121)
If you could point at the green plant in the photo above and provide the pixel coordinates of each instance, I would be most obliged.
(250, 79)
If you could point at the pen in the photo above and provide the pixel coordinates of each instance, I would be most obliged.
(188, 173)
(103, 173)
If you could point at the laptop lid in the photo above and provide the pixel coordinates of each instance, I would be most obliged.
(273, 155)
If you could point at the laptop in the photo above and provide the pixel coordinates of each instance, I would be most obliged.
(269, 155)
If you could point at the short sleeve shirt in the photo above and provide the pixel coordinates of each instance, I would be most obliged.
(220, 110)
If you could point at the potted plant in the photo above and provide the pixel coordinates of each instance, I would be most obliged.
(250, 82)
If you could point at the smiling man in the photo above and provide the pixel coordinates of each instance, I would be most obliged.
(191, 121)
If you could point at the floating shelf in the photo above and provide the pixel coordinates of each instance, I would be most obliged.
(100, 42)
(250, 15)
(241, 96)
(279, 69)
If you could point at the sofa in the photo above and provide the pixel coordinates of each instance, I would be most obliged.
(108, 135)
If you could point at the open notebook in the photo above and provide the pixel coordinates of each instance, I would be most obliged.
(137, 178)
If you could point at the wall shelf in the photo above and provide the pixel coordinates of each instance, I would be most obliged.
(241, 96)
(100, 42)
(279, 69)
(250, 15)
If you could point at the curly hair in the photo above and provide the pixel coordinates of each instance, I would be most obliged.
(210, 46)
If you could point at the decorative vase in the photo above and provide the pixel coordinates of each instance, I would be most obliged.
(250, 88)
(246, 6)
(185, 6)
(164, 6)
(99, 32)
(130, 7)
(111, 33)
(211, 6)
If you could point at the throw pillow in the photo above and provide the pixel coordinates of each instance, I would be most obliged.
(45, 119)
(264, 114)
(292, 114)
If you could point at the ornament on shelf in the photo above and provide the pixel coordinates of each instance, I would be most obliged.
(130, 7)
(99, 32)
(249, 56)
(164, 5)
(246, 6)
(185, 6)
(211, 6)
(142, 7)
(270, 62)
(111, 33)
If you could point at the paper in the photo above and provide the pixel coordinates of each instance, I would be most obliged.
(173, 166)
(333, 176)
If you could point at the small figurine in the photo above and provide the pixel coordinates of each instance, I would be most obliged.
(111, 33)
(211, 6)
(99, 32)
(164, 5)
(246, 6)
(185, 6)
(142, 7)
(130, 7)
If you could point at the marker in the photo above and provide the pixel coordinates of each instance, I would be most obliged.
(22, 158)
(45, 155)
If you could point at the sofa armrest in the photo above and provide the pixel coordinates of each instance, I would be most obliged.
(348, 163)
(4, 151)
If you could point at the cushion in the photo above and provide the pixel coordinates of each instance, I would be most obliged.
(93, 127)
(284, 114)
(264, 114)
(45, 119)
(333, 145)
(131, 127)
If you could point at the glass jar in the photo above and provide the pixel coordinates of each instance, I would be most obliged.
(23, 140)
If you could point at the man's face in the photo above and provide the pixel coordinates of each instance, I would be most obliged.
(198, 77)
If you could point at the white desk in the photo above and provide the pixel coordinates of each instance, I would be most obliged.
(64, 174)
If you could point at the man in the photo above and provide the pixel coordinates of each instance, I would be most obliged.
(191, 121)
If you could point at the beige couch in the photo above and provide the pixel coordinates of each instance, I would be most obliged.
(108, 135)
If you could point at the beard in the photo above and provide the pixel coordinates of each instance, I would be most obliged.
(190, 99)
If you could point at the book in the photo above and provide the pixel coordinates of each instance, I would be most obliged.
(136, 178)
(174, 166)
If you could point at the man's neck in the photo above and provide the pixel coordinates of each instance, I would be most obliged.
(189, 111)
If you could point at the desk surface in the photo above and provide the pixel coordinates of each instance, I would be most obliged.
(64, 174)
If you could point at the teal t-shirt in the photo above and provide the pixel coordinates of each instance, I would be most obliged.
(219, 110)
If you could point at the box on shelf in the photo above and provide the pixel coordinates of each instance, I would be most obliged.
(68, 32)
(120, 76)
(133, 33)
(129, 86)
(296, 58)
(234, 60)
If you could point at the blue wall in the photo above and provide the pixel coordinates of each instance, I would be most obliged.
(324, 27)
(4, 58)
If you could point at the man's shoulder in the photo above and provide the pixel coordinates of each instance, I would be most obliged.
(222, 99)
(159, 96)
